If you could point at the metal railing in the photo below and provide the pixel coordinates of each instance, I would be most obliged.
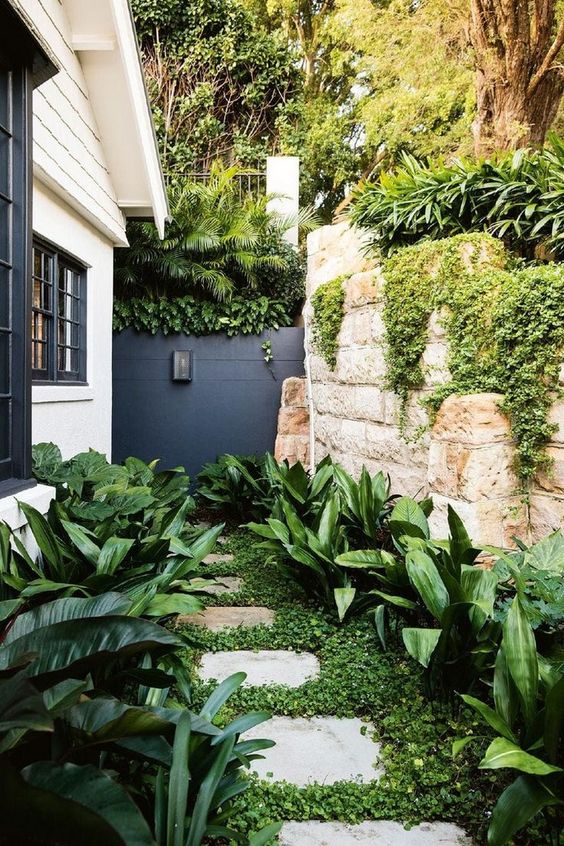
(250, 183)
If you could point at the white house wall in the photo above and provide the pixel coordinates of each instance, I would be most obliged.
(77, 417)
(67, 149)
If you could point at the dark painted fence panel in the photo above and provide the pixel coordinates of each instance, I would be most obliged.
(231, 404)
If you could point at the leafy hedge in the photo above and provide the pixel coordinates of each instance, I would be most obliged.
(504, 327)
(239, 315)
(518, 197)
(328, 312)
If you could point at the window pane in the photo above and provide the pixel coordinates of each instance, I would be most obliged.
(4, 297)
(4, 429)
(5, 77)
(4, 363)
(5, 142)
(4, 230)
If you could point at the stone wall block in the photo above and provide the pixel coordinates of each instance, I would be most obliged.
(378, 329)
(369, 403)
(364, 366)
(320, 370)
(552, 480)
(292, 448)
(293, 421)
(434, 363)
(472, 419)
(490, 522)
(436, 328)
(384, 444)
(546, 515)
(294, 392)
(362, 289)
(356, 329)
(556, 416)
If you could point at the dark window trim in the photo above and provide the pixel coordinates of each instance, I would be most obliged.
(55, 376)
(30, 64)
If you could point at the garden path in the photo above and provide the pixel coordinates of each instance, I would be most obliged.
(313, 751)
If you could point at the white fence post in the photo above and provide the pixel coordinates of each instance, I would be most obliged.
(283, 179)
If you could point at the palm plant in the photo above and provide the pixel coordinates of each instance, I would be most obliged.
(215, 243)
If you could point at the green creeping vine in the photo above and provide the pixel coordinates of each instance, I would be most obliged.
(238, 315)
(504, 324)
(328, 302)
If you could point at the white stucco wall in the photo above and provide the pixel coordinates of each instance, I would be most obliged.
(67, 147)
(77, 417)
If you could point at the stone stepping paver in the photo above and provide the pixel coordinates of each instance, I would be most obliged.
(217, 558)
(220, 617)
(319, 750)
(276, 666)
(379, 833)
(227, 584)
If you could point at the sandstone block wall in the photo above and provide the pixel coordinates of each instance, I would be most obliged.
(466, 459)
(292, 441)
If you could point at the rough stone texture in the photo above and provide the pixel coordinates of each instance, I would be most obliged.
(320, 750)
(467, 459)
(217, 618)
(276, 666)
(227, 584)
(379, 833)
(292, 441)
(217, 558)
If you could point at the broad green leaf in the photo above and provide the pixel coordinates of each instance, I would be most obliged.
(363, 559)
(521, 655)
(408, 512)
(491, 717)
(95, 790)
(425, 578)
(460, 744)
(421, 643)
(518, 804)
(344, 597)
(503, 753)
(221, 694)
(22, 706)
(262, 838)
(179, 781)
(44, 536)
(163, 604)
(80, 645)
(112, 554)
(68, 608)
(27, 812)
(82, 542)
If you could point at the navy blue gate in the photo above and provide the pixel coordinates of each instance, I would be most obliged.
(230, 405)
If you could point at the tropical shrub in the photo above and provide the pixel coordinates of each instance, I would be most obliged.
(234, 484)
(528, 718)
(309, 554)
(113, 528)
(216, 244)
(80, 765)
(538, 570)
(515, 196)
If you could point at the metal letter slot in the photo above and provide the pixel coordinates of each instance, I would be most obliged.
(182, 366)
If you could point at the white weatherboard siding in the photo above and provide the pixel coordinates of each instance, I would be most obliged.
(77, 417)
(67, 149)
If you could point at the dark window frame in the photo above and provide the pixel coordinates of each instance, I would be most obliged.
(15, 469)
(51, 375)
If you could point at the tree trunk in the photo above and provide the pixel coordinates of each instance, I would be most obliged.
(519, 83)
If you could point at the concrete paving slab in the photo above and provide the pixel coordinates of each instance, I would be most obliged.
(379, 833)
(226, 584)
(217, 558)
(275, 666)
(227, 617)
(319, 750)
